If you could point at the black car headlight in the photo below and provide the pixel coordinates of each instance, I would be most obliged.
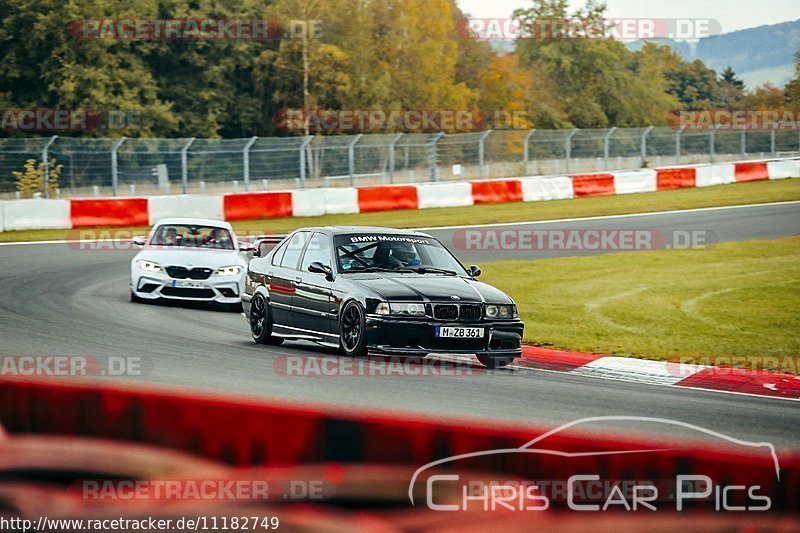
(400, 309)
(501, 311)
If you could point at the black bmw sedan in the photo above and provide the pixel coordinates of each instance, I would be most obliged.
(378, 290)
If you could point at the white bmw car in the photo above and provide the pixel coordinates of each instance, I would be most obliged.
(190, 259)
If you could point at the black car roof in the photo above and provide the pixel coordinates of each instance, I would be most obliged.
(345, 230)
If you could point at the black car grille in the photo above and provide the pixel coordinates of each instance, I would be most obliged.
(445, 312)
(179, 272)
(461, 312)
(470, 313)
(180, 292)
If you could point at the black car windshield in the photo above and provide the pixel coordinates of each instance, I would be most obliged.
(387, 252)
(192, 236)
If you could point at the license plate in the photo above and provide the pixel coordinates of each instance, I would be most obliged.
(459, 333)
(188, 285)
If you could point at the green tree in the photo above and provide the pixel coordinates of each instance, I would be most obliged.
(30, 181)
(792, 89)
(694, 84)
(44, 66)
(596, 82)
(731, 89)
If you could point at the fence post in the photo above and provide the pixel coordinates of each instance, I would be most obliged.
(606, 142)
(391, 156)
(743, 143)
(525, 150)
(772, 139)
(712, 143)
(568, 148)
(303, 148)
(432, 159)
(678, 144)
(644, 143)
(46, 166)
(246, 163)
(115, 167)
(482, 152)
(185, 166)
(351, 159)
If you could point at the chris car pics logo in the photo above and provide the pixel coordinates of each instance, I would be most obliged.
(448, 488)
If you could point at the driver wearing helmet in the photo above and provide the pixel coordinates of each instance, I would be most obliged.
(403, 254)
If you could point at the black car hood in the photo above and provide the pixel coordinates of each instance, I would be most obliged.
(423, 288)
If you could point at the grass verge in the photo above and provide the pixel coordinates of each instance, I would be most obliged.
(738, 299)
(734, 194)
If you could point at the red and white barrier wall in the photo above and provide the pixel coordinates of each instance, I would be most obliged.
(144, 211)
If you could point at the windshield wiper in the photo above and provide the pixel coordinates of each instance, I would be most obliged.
(406, 270)
(373, 269)
(434, 270)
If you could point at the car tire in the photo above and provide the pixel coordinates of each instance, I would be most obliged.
(494, 362)
(352, 329)
(261, 322)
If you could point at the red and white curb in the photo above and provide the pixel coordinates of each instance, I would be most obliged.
(714, 378)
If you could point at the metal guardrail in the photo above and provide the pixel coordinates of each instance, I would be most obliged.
(127, 166)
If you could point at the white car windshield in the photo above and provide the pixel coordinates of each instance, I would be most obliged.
(192, 236)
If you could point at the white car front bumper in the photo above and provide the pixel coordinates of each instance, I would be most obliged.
(217, 288)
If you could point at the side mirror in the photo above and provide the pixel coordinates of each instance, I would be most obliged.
(139, 241)
(246, 247)
(474, 271)
(318, 268)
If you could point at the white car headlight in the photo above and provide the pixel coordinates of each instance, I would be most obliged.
(407, 309)
(382, 309)
(229, 271)
(149, 266)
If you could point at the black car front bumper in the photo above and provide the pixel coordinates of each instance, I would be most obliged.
(417, 337)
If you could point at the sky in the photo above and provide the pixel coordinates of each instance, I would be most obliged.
(731, 14)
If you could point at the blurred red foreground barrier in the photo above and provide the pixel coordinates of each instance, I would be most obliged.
(266, 432)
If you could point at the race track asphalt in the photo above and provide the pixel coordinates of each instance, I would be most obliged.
(58, 299)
